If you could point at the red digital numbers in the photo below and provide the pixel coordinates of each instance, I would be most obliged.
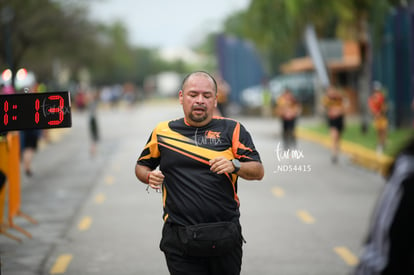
(37, 107)
(57, 110)
(53, 110)
(34, 111)
(6, 116)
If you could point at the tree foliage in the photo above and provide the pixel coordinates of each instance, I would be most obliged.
(37, 33)
(276, 26)
(49, 36)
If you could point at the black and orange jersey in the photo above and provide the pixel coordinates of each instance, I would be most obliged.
(192, 193)
(332, 101)
(377, 104)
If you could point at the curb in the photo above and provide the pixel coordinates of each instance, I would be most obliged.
(358, 154)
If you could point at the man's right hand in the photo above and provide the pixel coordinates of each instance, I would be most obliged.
(155, 179)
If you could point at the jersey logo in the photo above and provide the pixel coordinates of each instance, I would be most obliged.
(212, 135)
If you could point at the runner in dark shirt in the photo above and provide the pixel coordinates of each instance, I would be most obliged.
(193, 193)
(200, 158)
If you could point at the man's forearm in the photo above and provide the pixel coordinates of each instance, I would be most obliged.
(142, 173)
(251, 170)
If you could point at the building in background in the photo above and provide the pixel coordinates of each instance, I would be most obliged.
(239, 65)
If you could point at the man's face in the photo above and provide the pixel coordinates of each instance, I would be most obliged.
(199, 99)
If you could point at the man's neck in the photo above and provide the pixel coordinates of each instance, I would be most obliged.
(195, 124)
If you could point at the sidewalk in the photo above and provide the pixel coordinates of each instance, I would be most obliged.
(358, 154)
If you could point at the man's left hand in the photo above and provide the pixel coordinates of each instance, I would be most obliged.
(221, 165)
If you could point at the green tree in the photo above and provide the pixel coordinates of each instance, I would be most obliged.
(37, 33)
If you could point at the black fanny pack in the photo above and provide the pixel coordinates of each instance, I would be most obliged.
(209, 239)
(201, 240)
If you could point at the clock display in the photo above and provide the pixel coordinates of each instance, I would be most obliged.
(35, 111)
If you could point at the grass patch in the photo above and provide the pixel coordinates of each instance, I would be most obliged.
(352, 132)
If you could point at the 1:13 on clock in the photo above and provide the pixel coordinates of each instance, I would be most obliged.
(35, 111)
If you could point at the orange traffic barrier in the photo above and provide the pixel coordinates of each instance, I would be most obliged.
(14, 183)
(4, 156)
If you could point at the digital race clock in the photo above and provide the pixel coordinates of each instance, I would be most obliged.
(35, 111)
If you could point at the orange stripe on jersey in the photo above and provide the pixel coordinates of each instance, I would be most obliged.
(164, 196)
(194, 150)
(237, 144)
(235, 140)
(188, 154)
(151, 147)
(233, 179)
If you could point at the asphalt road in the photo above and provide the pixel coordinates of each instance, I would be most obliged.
(307, 216)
